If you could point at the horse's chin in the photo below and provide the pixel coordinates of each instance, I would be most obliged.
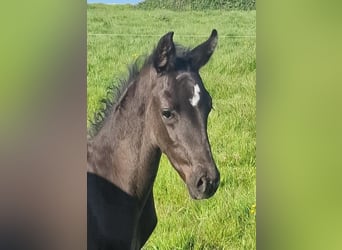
(188, 178)
(197, 195)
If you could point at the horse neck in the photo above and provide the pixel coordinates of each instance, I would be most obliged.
(122, 151)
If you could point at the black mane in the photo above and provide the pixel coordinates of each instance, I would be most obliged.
(116, 92)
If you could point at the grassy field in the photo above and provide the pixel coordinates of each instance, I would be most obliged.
(117, 35)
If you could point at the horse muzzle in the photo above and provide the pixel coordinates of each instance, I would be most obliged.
(204, 186)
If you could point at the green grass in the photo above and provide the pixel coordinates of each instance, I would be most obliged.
(227, 220)
(181, 5)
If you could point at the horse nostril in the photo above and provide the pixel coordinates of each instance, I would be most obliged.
(201, 184)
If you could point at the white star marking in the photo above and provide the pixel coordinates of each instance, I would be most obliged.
(195, 99)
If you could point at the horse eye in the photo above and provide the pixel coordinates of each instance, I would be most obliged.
(167, 113)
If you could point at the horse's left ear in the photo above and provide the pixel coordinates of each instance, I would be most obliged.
(202, 53)
(164, 53)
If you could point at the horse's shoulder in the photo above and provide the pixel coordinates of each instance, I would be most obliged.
(111, 212)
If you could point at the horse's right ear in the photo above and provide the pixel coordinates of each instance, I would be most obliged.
(164, 53)
(202, 53)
